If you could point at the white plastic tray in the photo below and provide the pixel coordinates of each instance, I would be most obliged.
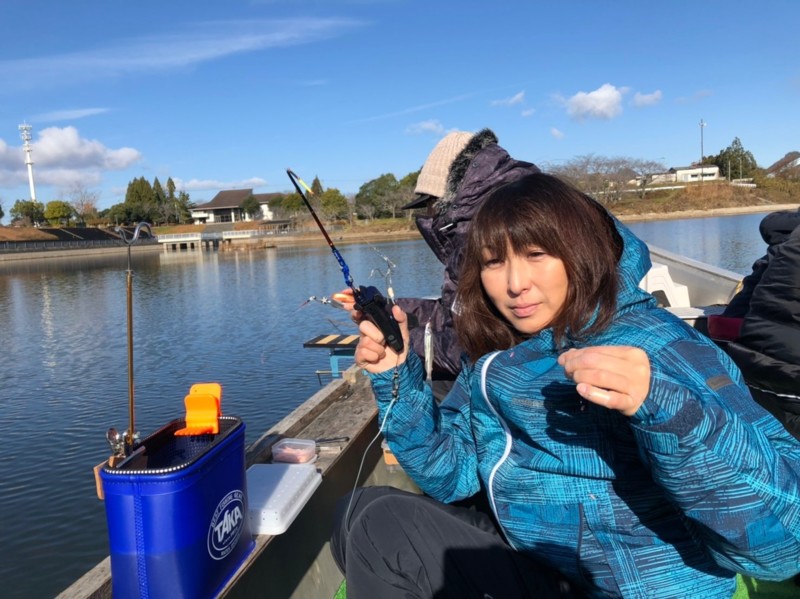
(276, 493)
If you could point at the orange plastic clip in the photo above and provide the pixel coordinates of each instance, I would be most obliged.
(343, 297)
(202, 410)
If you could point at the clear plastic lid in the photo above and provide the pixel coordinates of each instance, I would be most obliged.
(294, 451)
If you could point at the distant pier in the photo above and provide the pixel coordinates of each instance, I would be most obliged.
(209, 240)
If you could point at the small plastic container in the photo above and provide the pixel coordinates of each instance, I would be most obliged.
(294, 451)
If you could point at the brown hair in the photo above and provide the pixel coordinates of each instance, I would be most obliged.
(544, 211)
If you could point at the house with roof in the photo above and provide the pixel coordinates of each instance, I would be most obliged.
(681, 174)
(694, 173)
(226, 207)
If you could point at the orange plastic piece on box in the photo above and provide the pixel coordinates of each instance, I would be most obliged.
(202, 410)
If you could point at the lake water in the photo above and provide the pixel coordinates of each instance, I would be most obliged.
(236, 318)
(731, 242)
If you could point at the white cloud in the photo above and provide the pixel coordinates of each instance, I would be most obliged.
(647, 99)
(68, 115)
(65, 148)
(512, 101)
(418, 108)
(61, 158)
(556, 133)
(9, 156)
(66, 178)
(528, 112)
(603, 103)
(12, 166)
(195, 44)
(211, 184)
(429, 126)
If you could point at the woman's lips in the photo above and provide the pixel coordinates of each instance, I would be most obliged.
(525, 310)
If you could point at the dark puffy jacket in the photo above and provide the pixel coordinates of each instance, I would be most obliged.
(481, 167)
(775, 228)
(768, 348)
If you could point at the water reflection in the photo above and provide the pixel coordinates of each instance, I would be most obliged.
(50, 264)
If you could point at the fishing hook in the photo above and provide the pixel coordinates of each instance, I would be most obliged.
(387, 276)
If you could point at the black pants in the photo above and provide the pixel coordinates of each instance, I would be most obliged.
(396, 544)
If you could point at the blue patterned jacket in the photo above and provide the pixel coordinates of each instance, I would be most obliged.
(699, 484)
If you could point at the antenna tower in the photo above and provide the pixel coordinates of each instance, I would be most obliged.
(25, 134)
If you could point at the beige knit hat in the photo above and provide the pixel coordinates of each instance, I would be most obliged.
(433, 176)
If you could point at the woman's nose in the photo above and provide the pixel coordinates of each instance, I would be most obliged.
(517, 278)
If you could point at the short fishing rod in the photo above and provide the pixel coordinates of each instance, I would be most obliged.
(368, 299)
(297, 181)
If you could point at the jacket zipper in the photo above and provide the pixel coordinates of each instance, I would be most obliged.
(506, 451)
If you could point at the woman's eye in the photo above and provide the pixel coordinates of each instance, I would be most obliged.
(491, 262)
(533, 252)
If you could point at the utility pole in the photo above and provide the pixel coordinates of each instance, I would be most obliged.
(25, 134)
(702, 126)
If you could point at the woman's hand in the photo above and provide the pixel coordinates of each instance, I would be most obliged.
(372, 354)
(615, 377)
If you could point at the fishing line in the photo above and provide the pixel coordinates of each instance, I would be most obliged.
(336, 324)
(395, 389)
(310, 300)
(387, 276)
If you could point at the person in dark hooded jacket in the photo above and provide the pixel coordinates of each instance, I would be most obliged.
(456, 178)
(767, 349)
(760, 327)
(775, 229)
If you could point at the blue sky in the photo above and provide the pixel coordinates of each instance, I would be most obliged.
(221, 95)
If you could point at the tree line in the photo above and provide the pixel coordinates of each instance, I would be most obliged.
(603, 177)
(144, 201)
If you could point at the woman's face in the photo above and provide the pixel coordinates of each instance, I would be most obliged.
(528, 289)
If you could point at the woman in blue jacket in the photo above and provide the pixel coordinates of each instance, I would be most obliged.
(620, 450)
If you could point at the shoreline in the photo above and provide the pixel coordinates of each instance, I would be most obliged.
(728, 211)
(58, 254)
(354, 235)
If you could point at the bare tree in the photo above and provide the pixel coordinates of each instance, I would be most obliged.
(607, 178)
(646, 171)
(83, 201)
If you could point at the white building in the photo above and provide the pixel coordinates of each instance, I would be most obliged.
(226, 207)
(693, 174)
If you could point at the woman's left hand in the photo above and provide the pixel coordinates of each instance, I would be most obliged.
(615, 377)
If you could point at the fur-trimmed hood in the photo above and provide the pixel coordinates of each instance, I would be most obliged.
(479, 168)
(459, 166)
